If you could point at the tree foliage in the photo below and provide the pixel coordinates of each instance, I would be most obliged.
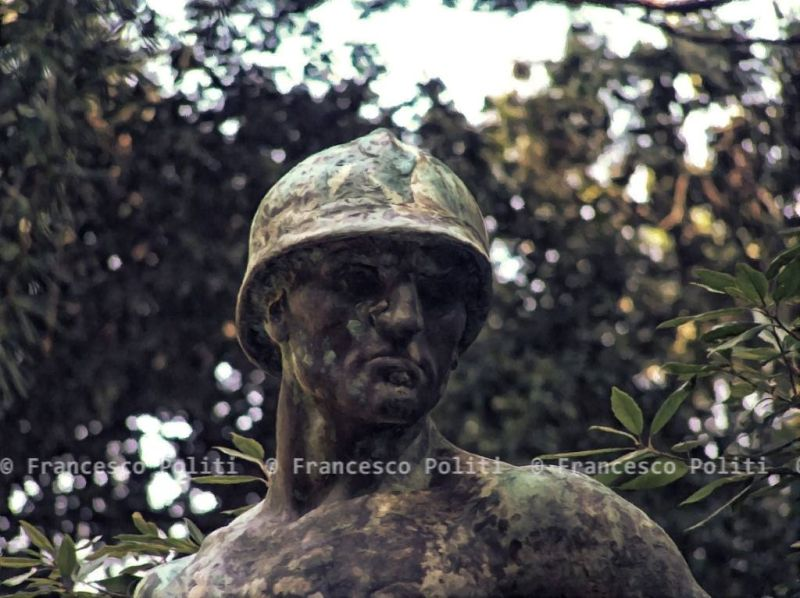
(123, 236)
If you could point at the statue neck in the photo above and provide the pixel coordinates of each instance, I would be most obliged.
(310, 441)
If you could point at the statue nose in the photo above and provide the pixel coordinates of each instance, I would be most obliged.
(398, 316)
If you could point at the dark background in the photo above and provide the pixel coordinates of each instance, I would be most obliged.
(124, 213)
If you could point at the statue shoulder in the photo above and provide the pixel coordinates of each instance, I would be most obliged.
(168, 580)
(583, 532)
(157, 579)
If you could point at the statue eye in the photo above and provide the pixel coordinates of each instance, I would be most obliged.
(358, 281)
(439, 291)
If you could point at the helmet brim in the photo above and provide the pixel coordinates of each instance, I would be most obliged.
(250, 307)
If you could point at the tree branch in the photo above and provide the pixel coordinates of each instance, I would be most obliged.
(738, 40)
(676, 6)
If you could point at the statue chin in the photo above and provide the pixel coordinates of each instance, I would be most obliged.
(389, 396)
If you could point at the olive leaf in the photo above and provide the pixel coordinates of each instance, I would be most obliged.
(739, 338)
(780, 260)
(18, 562)
(701, 317)
(613, 468)
(38, 537)
(709, 488)
(714, 281)
(726, 331)
(660, 472)
(668, 409)
(248, 446)
(752, 283)
(626, 411)
(787, 285)
(614, 431)
(145, 527)
(66, 559)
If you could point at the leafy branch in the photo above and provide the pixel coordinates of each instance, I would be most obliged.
(60, 565)
(754, 346)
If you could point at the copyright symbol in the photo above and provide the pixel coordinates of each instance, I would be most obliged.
(537, 465)
(6, 466)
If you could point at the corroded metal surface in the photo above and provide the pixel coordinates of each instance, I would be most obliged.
(501, 531)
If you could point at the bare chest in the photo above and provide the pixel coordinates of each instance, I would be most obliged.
(416, 544)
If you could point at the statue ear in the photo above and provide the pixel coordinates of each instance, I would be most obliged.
(275, 322)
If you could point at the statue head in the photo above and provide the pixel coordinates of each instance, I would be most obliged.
(368, 273)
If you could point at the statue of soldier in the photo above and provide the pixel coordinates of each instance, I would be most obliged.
(368, 275)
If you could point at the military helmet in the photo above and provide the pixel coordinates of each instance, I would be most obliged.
(375, 185)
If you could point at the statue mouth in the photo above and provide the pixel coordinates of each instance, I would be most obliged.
(396, 371)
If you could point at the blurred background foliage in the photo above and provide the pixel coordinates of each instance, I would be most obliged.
(125, 203)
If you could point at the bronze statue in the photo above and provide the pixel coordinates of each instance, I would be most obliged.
(368, 276)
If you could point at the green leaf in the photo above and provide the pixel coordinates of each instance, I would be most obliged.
(741, 389)
(615, 467)
(137, 568)
(673, 367)
(726, 331)
(788, 232)
(762, 354)
(716, 282)
(119, 584)
(626, 411)
(686, 446)
(752, 283)
(787, 285)
(145, 544)
(42, 583)
(87, 567)
(702, 317)
(137, 539)
(18, 579)
(226, 479)
(661, 471)
(38, 538)
(183, 546)
(739, 338)
(588, 453)
(238, 511)
(145, 527)
(248, 446)
(608, 430)
(709, 488)
(194, 531)
(122, 550)
(780, 260)
(716, 512)
(668, 409)
(795, 546)
(18, 562)
(240, 455)
(737, 293)
(675, 322)
(66, 559)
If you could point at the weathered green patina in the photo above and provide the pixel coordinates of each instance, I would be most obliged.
(367, 308)
(373, 185)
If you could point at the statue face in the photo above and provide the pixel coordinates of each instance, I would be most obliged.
(372, 327)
